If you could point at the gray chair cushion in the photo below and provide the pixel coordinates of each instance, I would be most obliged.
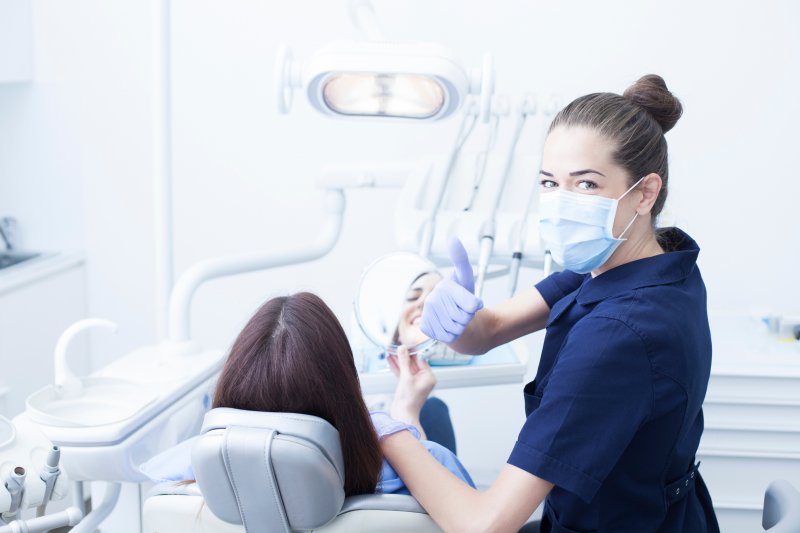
(269, 471)
(382, 502)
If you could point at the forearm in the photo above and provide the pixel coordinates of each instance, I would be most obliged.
(454, 505)
(478, 337)
(523, 314)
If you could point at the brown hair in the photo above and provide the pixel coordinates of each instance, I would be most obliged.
(635, 122)
(293, 356)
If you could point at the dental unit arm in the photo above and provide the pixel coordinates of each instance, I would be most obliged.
(517, 255)
(464, 132)
(527, 108)
(203, 271)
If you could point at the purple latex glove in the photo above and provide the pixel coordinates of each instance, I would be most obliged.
(385, 425)
(451, 304)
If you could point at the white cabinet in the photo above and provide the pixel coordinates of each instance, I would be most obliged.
(16, 41)
(37, 302)
(752, 421)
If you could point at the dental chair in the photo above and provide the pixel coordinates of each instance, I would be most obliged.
(273, 472)
(781, 508)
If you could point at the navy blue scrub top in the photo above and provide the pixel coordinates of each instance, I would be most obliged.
(615, 412)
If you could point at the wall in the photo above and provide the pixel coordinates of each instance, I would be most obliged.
(76, 158)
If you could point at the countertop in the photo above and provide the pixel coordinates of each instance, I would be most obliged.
(30, 271)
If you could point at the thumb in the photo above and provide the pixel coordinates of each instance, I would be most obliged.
(463, 273)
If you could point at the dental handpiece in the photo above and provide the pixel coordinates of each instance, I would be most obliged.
(49, 475)
(15, 484)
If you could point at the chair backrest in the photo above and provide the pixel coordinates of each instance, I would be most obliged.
(781, 508)
(269, 471)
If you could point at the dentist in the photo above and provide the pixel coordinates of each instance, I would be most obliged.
(614, 415)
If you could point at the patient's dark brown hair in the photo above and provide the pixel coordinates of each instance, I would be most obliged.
(293, 356)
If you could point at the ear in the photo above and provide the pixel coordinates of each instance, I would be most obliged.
(649, 187)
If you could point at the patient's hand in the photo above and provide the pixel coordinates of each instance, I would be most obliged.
(415, 381)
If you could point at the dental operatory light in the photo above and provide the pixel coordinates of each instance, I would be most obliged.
(370, 79)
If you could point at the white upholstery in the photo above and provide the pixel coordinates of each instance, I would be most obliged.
(182, 513)
(273, 472)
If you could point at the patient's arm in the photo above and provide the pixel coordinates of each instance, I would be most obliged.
(453, 504)
(523, 314)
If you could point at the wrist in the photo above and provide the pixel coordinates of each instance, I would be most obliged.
(405, 414)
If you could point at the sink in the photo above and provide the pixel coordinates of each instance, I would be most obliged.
(8, 259)
(102, 401)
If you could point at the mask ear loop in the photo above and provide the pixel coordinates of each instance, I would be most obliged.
(631, 188)
(635, 214)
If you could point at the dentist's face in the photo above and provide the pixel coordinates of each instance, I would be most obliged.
(578, 159)
(408, 329)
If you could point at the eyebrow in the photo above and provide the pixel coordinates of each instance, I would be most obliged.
(576, 173)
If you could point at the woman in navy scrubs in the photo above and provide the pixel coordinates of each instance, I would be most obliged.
(614, 415)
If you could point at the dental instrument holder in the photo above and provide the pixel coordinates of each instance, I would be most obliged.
(23, 446)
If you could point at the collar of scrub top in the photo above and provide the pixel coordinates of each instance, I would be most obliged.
(657, 270)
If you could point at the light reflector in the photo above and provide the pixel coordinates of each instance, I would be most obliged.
(382, 94)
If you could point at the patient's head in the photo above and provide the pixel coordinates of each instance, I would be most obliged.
(293, 356)
(408, 331)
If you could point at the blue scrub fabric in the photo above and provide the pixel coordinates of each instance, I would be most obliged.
(614, 415)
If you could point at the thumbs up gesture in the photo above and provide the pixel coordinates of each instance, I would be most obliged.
(450, 306)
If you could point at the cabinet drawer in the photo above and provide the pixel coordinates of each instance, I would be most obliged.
(733, 519)
(761, 414)
(732, 439)
(754, 388)
(741, 480)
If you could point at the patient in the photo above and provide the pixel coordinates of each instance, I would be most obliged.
(408, 332)
(293, 356)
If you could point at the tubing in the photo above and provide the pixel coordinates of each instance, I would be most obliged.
(100, 513)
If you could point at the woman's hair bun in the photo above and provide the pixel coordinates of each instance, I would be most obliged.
(651, 93)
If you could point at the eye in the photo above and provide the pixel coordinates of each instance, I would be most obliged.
(587, 185)
(413, 295)
(548, 184)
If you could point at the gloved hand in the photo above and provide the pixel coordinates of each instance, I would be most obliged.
(451, 304)
(385, 425)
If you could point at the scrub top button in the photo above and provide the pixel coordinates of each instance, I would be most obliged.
(677, 491)
(686, 484)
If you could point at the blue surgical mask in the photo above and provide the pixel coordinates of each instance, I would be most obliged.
(577, 228)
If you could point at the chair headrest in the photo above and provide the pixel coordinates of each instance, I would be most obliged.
(279, 471)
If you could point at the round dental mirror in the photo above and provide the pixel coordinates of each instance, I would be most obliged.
(388, 302)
